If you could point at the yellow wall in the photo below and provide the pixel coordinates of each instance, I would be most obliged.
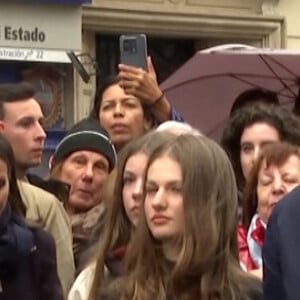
(290, 10)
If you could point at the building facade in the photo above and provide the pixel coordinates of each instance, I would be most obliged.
(261, 23)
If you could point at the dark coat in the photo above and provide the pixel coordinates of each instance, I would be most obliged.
(281, 250)
(252, 294)
(114, 290)
(36, 278)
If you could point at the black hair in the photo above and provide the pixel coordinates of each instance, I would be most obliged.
(106, 83)
(284, 121)
(252, 96)
(13, 92)
(14, 198)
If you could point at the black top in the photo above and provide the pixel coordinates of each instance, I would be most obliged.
(254, 291)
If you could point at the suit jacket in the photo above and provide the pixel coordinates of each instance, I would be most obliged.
(281, 250)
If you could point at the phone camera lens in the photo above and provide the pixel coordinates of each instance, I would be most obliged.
(130, 46)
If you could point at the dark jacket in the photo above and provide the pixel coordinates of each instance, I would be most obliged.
(252, 294)
(55, 187)
(36, 278)
(114, 290)
(281, 250)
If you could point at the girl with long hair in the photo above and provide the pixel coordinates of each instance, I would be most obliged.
(185, 246)
(123, 206)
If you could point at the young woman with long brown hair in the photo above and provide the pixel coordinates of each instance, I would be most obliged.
(123, 205)
(185, 246)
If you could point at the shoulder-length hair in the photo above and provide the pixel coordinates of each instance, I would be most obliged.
(14, 197)
(285, 122)
(273, 154)
(118, 228)
(207, 266)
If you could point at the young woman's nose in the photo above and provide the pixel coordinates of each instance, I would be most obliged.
(255, 154)
(159, 200)
(138, 189)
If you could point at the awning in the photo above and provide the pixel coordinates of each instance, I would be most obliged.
(33, 55)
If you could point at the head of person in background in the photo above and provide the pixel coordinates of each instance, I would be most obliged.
(23, 248)
(21, 122)
(254, 96)
(123, 116)
(189, 182)
(83, 159)
(123, 207)
(178, 128)
(275, 173)
(252, 127)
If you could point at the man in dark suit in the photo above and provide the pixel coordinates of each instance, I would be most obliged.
(281, 250)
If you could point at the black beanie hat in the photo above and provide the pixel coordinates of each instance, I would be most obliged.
(87, 134)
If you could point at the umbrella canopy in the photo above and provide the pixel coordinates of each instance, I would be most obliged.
(205, 87)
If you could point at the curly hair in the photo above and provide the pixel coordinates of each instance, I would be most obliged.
(285, 122)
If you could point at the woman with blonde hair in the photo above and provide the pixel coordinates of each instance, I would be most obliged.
(121, 216)
(185, 246)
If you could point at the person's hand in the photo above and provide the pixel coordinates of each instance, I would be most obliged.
(140, 83)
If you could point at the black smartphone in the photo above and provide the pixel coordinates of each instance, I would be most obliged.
(133, 50)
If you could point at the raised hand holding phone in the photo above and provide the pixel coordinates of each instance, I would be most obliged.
(138, 77)
(139, 83)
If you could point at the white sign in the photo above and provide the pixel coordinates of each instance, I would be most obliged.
(40, 26)
(37, 55)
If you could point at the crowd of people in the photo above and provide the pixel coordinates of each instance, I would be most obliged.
(139, 205)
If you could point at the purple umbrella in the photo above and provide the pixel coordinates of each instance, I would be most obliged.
(205, 87)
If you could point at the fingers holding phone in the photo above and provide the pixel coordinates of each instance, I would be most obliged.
(138, 77)
(136, 71)
(139, 83)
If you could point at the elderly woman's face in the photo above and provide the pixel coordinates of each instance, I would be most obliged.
(253, 138)
(274, 182)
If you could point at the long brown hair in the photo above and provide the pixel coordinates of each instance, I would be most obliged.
(14, 197)
(276, 154)
(208, 266)
(117, 225)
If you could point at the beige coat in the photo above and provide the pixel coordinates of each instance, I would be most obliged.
(45, 210)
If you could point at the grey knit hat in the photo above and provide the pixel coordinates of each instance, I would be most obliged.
(87, 134)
